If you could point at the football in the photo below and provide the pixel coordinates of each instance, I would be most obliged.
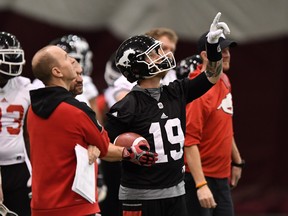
(129, 139)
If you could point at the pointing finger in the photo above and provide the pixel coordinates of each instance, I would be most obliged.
(217, 18)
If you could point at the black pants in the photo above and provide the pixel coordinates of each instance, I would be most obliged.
(221, 191)
(112, 175)
(15, 190)
(174, 206)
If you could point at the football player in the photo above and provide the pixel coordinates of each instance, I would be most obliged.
(158, 113)
(14, 103)
(119, 86)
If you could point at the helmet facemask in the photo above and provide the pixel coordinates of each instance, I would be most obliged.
(11, 61)
(156, 59)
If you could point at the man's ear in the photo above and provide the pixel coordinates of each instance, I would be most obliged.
(56, 72)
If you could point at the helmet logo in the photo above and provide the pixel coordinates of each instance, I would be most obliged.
(124, 60)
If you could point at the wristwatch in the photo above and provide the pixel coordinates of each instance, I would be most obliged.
(240, 165)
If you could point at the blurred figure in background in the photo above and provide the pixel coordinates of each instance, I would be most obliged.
(187, 66)
(106, 99)
(111, 74)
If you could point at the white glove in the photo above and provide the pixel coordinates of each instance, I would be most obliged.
(217, 30)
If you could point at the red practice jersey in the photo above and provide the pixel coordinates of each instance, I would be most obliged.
(209, 124)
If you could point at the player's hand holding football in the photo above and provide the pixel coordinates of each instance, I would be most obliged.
(140, 154)
(217, 30)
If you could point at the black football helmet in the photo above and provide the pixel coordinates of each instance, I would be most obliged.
(11, 55)
(78, 48)
(187, 65)
(133, 58)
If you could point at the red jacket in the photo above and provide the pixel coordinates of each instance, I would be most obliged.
(56, 123)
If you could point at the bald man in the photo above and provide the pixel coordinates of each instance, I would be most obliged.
(56, 123)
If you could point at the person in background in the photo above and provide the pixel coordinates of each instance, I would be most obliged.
(210, 147)
(106, 99)
(111, 74)
(14, 102)
(158, 113)
(187, 66)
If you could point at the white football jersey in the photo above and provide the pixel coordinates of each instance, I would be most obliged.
(14, 103)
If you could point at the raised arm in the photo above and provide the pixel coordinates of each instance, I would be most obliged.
(214, 67)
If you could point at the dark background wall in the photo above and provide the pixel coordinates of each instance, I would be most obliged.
(259, 85)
